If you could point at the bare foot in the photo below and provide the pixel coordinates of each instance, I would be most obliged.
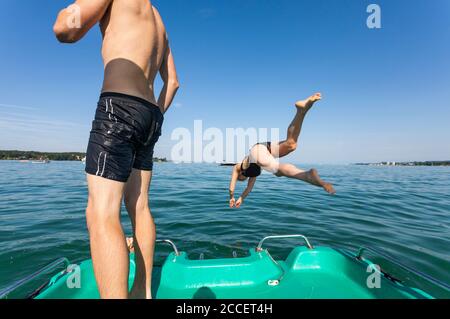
(314, 178)
(130, 244)
(305, 105)
(136, 291)
(139, 294)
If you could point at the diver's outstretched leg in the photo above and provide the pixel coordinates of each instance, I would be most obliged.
(294, 129)
(311, 176)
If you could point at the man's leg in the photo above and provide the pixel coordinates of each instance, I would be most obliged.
(311, 176)
(108, 247)
(290, 144)
(144, 231)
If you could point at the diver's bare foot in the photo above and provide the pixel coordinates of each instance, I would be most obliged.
(314, 178)
(305, 105)
(329, 188)
(130, 244)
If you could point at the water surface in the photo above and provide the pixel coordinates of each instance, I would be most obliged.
(405, 211)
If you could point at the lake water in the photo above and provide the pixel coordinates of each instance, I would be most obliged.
(404, 211)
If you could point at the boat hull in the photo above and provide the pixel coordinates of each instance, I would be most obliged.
(318, 273)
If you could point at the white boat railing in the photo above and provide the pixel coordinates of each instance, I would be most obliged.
(4, 293)
(359, 256)
(171, 243)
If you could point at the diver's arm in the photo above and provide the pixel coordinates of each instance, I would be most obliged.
(246, 192)
(234, 177)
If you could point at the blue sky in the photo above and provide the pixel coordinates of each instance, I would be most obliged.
(244, 64)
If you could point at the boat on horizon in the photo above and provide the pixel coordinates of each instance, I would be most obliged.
(44, 161)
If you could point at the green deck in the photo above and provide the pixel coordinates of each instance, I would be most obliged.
(321, 272)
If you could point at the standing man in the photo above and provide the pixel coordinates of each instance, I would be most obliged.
(126, 127)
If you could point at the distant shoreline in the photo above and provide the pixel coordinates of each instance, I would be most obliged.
(14, 155)
(425, 163)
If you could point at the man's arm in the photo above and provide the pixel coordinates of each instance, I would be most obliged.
(77, 19)
(169, 76)
(248, 189)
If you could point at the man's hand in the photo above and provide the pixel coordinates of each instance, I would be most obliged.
(232, 202)
(239, 202)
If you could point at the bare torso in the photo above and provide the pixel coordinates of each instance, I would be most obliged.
(134, 44)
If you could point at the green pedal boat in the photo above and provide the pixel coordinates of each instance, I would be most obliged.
(308, 272)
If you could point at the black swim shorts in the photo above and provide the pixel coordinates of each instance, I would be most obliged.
(123, 136)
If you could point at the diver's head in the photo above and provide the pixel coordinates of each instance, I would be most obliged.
(247, 170)
(242, 178)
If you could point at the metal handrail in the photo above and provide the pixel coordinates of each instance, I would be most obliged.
(259, 247)
(167, 241)
(53, 265)
(359, 256)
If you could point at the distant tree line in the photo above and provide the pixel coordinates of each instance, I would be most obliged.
(32, 155)
(430, 163)
(52, 156)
